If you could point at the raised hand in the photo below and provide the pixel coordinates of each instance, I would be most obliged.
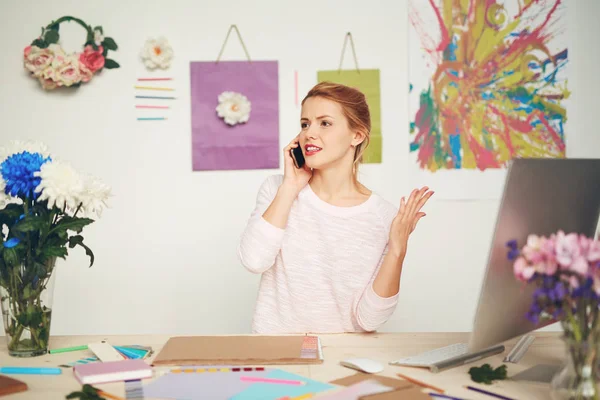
(406, 220)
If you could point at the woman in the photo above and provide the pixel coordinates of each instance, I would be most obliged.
(330, 251)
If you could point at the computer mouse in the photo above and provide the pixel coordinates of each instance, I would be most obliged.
(363, 365)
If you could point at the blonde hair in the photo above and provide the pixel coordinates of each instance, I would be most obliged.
(355, 109)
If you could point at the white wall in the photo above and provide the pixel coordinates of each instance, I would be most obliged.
(166, 260)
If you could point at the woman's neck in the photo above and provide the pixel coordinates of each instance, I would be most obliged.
(338, 186)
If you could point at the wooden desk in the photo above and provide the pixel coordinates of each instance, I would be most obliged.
(383, 347)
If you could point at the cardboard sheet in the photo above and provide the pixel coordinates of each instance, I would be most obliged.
(237, 350)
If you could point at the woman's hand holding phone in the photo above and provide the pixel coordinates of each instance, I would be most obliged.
(294, 178)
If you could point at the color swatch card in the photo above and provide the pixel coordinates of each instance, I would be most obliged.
(273, 391)
(192, 385)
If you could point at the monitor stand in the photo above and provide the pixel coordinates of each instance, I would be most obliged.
(541, 373)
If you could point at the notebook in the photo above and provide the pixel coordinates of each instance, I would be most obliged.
(10, 385)
(240, 350)
(271, 391)
(112, 371)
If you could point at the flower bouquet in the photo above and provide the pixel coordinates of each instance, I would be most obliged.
(566, 271)
(44, 206)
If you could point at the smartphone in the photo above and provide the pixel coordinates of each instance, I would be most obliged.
(297, 156)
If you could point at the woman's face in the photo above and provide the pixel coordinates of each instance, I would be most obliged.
(325, 136)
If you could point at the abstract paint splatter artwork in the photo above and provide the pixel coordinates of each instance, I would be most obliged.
(487, 82)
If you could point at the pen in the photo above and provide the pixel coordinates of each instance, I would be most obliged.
(30, 370)
(443, 396)
(66, 349)
(488, 393)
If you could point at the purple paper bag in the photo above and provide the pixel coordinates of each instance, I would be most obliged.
(240, 144)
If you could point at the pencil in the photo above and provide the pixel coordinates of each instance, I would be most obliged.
(498, 396)
(145, 106)
(154, 97)
(153, 88)
(154, 79)
(66, 349)
(423, 384)
(110, 396)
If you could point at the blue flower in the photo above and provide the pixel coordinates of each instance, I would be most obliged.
(514, 250)
(12, 242)
(18, 173)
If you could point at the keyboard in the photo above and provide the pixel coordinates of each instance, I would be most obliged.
(431, 357)
(447, 357)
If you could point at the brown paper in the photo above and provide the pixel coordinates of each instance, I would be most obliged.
(413, 393)
(10, 385)
(233, 350)
(384, 380)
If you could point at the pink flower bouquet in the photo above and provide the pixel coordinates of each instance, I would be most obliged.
(566, 269)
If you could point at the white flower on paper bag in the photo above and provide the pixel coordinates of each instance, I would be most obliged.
(157, 53)
(234, 108)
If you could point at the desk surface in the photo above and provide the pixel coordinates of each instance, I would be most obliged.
(383, 347)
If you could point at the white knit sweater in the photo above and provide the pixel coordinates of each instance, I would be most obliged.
(317, 273)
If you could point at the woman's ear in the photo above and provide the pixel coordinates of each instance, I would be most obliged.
(359, 137)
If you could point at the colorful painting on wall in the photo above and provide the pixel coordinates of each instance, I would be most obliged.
(488, 83)
(367, 81)
(235, 115)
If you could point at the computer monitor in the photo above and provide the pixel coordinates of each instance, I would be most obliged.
(541, 196)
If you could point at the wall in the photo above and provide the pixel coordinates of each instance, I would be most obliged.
(166, 250)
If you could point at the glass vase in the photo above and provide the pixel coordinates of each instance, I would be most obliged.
(26, 305)
(579, 378)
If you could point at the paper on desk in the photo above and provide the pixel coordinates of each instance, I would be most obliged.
(269, 391)
(201, 386)
(356, 391)
(411, 393)
(384, 380)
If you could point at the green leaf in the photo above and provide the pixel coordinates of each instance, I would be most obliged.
(39, 43)
(11, 213)
(110, 64)
(54, 251)
(78, 241)
(72, 224)
(99, 28)
(10, 257)
(51, 36)
(109, 43)
(29, 224)
(485, 374)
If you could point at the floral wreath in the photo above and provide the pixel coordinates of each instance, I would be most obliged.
(47, 61)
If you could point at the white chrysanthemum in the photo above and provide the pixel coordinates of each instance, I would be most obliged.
(60, 185)
(19, 146)
(234, 108)
(94, 196)
(157, 53)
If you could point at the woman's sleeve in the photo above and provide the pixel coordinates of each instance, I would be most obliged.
(372, 310)
(260, 242)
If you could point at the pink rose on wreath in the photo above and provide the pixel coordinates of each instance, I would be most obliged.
(68, 74)
(85, 73)
(92, 59)
(37, 60)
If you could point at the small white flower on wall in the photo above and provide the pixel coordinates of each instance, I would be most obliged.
(157, 53)
(234, 108)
